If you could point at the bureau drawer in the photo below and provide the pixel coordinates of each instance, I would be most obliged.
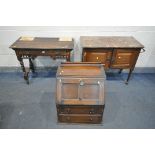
(75, 118)
(75, 109)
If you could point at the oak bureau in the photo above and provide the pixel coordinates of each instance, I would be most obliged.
(80, 92)
(116, 52)
(31, 47)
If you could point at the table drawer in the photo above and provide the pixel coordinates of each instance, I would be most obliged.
(75, 118)
(42, 52)
(77, 109)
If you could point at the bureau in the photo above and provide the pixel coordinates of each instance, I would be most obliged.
(114, 52)
(80, 92)
(31, 47)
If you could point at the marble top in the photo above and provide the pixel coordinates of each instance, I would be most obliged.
(109, 42)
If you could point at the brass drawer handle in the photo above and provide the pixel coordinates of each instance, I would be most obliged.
(43, 52)
(97, 58)
(81, 83)
(91, 112)
(119, 57)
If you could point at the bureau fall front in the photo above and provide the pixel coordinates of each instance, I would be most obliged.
(80, 92)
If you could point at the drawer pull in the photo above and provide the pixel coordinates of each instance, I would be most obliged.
(43, 52)
(97, 58)
(91, 112)
(81, 83)
(119, 57)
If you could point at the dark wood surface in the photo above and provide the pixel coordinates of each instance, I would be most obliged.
(109, 42)
(80, 118)
(81, 70)
(80, 92)
(42, 43)
(32, 47)
(80, 109)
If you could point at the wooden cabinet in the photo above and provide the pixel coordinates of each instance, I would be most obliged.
(113, 52)
(80, 92)
(124, 58)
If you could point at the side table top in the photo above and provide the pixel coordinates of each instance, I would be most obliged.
(43, 43)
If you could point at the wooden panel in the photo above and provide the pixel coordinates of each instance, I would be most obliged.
(124, 58)
(80, 91)
(77, 109)
(79, 118)
(98, 55)
(81, 70)
(69, 91)
(90, 91)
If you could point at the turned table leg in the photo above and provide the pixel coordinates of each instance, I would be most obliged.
(120, 71)
(26, 77)
(31, 65)
(129, 75)
(20, 59)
